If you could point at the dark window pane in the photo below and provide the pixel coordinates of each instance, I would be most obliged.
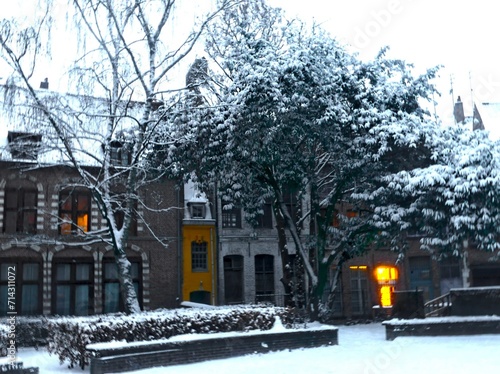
(29, 222)
(111, 297)
(63, 300)
(83, 202)
(63, 272)
(30, 199)
(11, 199)
(110, 270)
(82, 300)
(82, 272)
(30, 271)
(29, 299)
(10, 224)
(5, 269)
(66, 202)
(3, 300)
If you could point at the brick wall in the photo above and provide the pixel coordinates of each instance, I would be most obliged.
(135, 357)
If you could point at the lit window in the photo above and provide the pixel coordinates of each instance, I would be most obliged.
(386, 277)
(74, 212)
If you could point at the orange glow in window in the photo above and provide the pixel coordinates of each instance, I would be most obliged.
(386, 278)
(385, 295)
(386, 274)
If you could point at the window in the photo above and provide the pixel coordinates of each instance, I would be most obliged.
(20, 210)
(450, 267)
(264, 278)
(25, 277)
(233, 279)
(74, 212)
(231, 217)
(265, 221)
(199, 254)
(359, 289)
(293, 205)
(73, 289)
(119, 209)
(112, 298)
(197, 210)
(24, 145)
(120, 154)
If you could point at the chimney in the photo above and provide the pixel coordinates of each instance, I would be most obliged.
(45, 84)
(458, 111)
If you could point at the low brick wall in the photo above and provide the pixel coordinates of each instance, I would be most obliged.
(479, 301)
(443, 326)
(107, 359)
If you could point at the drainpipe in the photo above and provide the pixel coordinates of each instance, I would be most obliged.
(180, 216)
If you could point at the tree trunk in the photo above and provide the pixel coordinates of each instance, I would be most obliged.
(286, 261)
(127, 289)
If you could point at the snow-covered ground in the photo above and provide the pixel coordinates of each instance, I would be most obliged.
(362, 349)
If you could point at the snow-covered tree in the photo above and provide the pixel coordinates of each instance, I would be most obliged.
(290, 112)
(452, 203)
(126, 54)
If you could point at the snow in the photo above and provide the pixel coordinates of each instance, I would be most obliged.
(278, 327)
(452, 319)
(362, 349)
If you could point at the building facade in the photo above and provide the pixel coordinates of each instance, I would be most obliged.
(54, 271)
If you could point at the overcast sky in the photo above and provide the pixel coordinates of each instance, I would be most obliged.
(457, 34)
(461, 35)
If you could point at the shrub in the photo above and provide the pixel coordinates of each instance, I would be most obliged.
(69, 336)
(29, 332)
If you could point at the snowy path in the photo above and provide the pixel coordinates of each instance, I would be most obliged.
(362, 349)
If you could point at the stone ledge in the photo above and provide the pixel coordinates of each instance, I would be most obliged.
(135, 356)
(442, 326)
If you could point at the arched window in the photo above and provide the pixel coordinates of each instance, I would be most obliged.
(20, 208)
(74, 211)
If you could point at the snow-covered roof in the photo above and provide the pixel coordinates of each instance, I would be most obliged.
(84, 120)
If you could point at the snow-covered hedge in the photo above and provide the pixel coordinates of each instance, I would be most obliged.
(69, 336)
(29, 331)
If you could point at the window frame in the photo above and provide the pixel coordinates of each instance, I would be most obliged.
(74, 212)
(21, 210)
(265, 220)
(136, 279)
(264, 277)
(73, 283)
(20, 282)
(230, 217)
(199, 256)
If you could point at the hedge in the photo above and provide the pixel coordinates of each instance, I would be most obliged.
(69, 336)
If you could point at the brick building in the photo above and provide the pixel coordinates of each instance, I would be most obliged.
(57, 273)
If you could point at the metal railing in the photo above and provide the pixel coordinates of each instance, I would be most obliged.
(440, 306)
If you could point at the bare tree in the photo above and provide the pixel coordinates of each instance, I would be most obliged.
(127, 52)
